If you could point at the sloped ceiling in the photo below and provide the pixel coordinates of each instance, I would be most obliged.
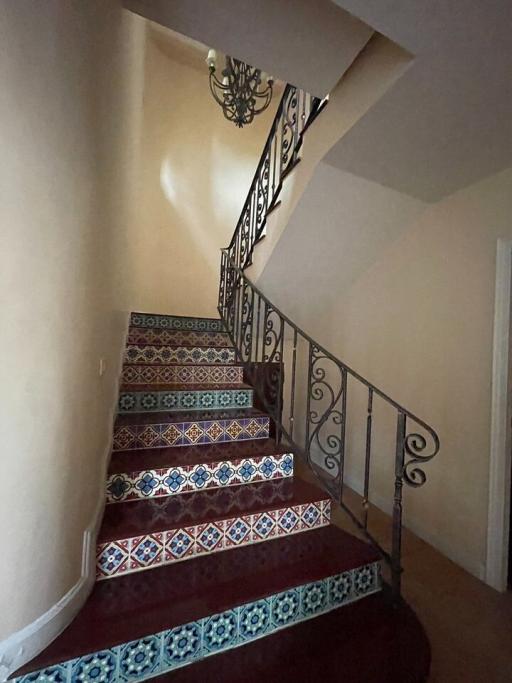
(307, 43)
(448, 121)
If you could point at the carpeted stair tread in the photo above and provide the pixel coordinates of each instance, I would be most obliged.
(160, 458)
(139, 604)
(151, 516)
(184, 387)
(369, 641)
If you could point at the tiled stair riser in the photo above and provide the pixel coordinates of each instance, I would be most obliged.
(150, 353)
(168, 650)
(123, 556)
(170, 481)
(203, 399)
(171, 322)
(147, 335)
(182, 374)
(131, 437)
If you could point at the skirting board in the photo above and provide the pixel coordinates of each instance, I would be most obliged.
(23, 645)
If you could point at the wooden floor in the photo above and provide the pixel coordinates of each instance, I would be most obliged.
(469, 625)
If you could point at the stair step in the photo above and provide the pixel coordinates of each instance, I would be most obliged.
(150, 605)
(157, 430)
(160, 355)
(148, 375)
(135, 475)
(176, 322)
(178, 398)
(158, 336)
(143, 534)
(368, 641)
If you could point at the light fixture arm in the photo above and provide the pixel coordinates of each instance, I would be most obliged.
(243, 92)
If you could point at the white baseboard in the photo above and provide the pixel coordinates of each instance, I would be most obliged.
(25, 644)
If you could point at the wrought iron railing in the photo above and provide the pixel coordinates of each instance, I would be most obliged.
(308, 392)
(295, 112)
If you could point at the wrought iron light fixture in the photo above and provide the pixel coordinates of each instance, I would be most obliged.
(243, 91)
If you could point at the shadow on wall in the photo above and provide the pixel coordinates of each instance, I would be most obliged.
(196, 170)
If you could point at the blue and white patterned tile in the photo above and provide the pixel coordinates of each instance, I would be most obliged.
(166, 651)
(112, 558)
(220, 632)
(340, 588)
(288, 520)
(285, 608)
(180, 543)
(140, 658)
(366, 579)
(314, 598)
(264, 526)
(99, 667)
(161, 355)
(255, 620)
(174, 322)
(238, 532)
(170, 401)
(310, 515)
(182, 374)
(182, 645)
(52, 674)
(146, 551)
(210, 537)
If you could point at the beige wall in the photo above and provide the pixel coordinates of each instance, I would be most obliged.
(196, 169)
(64, 135)
(404, 293)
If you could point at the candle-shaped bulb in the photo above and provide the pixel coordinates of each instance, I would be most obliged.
(225, 81)
(210, 60)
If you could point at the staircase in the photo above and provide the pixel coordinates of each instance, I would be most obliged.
(208, 540)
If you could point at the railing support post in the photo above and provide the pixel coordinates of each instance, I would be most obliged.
(396, 550)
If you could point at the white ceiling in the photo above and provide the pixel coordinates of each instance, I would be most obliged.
(309, 43)
(448, 121)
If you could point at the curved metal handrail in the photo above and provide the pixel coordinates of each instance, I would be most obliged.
(258, 330)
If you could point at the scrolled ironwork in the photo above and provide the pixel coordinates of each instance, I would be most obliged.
(280, 151)
(289, 125)
(415, 446)
(272, 335)
(324, 412)
(258, 330)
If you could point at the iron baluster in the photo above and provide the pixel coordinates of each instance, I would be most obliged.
(292, 389)
(369, 424)
(344, 387)
(396, 543)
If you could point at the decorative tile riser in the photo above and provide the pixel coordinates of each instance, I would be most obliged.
(183, 374)
(140, 353)
(187, 479)
(168, 650)
(171, 322)
(132, 437)
(124, 556)
(168, 401)
(141, 335)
